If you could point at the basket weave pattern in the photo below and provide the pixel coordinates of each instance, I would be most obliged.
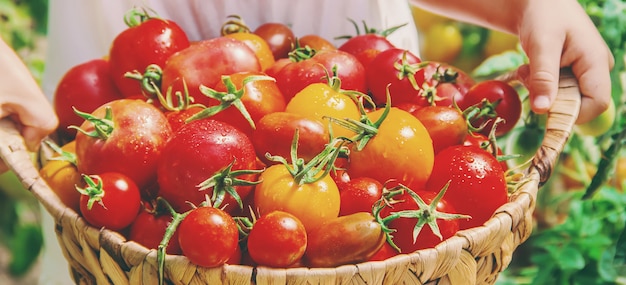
(472, 256)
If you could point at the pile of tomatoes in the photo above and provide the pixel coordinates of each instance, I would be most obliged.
(266, 149)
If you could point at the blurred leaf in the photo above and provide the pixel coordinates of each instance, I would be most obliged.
(499, 64)
(25, 248)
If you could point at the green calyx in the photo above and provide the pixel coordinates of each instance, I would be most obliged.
(364, 128)
(94, 190)
(301, 53)
(368, 30)
(315, 169)
(103, 127)
(234, 24)
(232, 97)
(425, 214)
(483, 110)
(63, 155)
(135, 16)
(224, 182)
(150, 79)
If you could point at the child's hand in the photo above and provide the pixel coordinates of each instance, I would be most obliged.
(558, 33)
(22, 100)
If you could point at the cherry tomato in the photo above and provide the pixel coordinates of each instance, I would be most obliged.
(189, 66)
(316, 42)
(259, 98)
(277, 239)
(258, 45)
(442, 42)
(600, 124)
(278, 36)
(403, 227)
(148, 229)
(63, 177)
(444, 81)
(482, 141)
(136, 132)
(312, 203)
(476, 178)
(275, 131)
(321, 101)
(446, 125)
(208, 236)
(394, 67)
(498, 94)
(401, 150)
(344, 240)
(85, 87)
(196, 152)
(151, 41)
(359, 195)
(312, 68)
(110, 200)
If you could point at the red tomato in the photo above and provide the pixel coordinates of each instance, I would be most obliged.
(359, 195)
(152, 41)
(258, 97)
(394, 66)
(446, 125)
(148, 229)
(309, 69)
(385, 252)
(482, 141)
(477, 182)
(223, 55)
(85, 87)
(447, 81)
(275, 131)
(403, 227)
(137, 132)
(498, 94)
(178, 118)
(196, 152)
(208, 236)
(278, 36)
(110, 200)
(277, 239)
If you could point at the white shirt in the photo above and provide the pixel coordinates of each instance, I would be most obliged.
(82, 30)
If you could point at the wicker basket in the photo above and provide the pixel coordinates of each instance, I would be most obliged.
(473, 256)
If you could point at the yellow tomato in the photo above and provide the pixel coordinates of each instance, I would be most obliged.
(424, 20)
(600, 124)
(312, 203)
(62, 177)
(442, 42)
(321, 101)
(498, 42)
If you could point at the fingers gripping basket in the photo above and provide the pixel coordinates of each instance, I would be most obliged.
(473, 256)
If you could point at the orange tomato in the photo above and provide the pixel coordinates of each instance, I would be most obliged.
(402, 150)
(258, 45)
(62, 177)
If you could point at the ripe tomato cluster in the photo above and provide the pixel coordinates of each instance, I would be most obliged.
(262, 148)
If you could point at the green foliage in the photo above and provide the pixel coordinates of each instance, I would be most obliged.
(581, 250)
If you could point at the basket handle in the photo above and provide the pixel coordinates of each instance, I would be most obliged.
(561, 119)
